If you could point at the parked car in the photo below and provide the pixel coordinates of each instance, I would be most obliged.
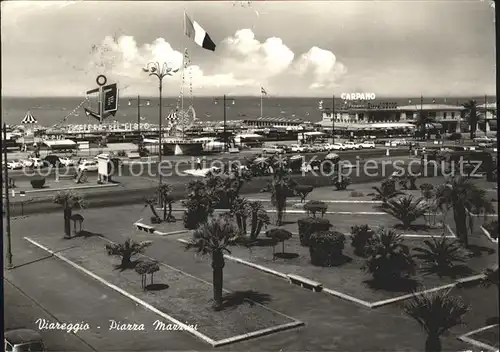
(274, 149)
(52, 159)
(26, 162)
(367, 145)
(297, 148)
(351, 146)
(337, 146)
(67, 161)
(22, 340)
(37, 162)
(15, 164)
(88, 165)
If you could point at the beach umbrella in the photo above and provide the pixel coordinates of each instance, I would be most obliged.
(29, 119)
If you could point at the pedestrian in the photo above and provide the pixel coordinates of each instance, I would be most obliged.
(198, 164)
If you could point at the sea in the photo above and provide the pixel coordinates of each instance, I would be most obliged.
(49, 111)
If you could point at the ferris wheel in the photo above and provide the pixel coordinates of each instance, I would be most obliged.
(184, 115)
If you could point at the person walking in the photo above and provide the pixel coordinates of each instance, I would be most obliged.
(198, 164)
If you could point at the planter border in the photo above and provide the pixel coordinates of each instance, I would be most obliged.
(487, 233)
(476, 343)
(347, 297)
(69, 188)
(214, 343)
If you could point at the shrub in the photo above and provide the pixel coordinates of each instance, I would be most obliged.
(155, 220)
(356, 194)
(427, 190)
(388, 258)
(126, 250)
(439, 255)
(308, 226)
(303, 191)
(341, 182)
(325, 247)
(406, 209)
(121, 153)
(492, 228)
(360, 238)
(315, 206)
(38, 182)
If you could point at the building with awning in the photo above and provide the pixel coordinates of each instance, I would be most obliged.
(61, 144)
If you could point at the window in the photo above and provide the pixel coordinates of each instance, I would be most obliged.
(453, 114)
(445, 115)
(8, 347)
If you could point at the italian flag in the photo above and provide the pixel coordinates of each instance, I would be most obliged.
(194, 31)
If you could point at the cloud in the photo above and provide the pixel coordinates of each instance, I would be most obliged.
(242, 61)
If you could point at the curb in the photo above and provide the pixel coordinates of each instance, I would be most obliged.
(126, 294)
(71, 188)
(476, 343)
(487, 233)
(326, 201)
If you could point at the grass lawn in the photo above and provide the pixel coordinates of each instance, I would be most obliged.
(183, 297)
(347, 277)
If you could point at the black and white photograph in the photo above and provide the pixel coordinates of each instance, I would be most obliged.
(249, 176)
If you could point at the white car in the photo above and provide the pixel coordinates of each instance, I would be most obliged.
(26, 163)
(274, 149)
(88, 166)
(336, 146)
(367, 145)
(351, 146)
(37, 162)
(15, 164)
(296, 148)
(67, 161)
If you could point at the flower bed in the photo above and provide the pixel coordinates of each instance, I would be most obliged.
(347, 277)
(186, 298)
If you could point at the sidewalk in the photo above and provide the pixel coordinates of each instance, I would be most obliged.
(71, 296)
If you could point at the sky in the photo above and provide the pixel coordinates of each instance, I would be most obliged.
(294, 48)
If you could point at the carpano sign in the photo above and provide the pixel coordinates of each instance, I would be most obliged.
(357, 96)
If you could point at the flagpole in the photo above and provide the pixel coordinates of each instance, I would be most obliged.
(261, 102)
(485, 115)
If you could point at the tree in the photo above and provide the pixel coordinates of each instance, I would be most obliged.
(165, 191)
(151, 203)
(240, 210)
(259, 218)
(303, 191)
(281, 187)
(389, 259)
(436, 312)
(466, 199)
(68, 200)
(144, 268)
(440, 255)
(472, 116)
(422, 120)
(199, 203)
(386, 191)
(279, 235)
(127, 250)
(213, 238)
(406, 209)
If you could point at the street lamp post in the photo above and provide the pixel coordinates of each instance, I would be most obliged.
(224, 99)
(8, 255)
(159, 71)
(333, 119)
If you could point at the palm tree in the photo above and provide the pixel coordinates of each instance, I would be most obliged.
(440, 255)
(214, 237)
(151, 202)
(472, 116)
(281, 187)
(126, 250)
(259, 219)
(165, 191)
(240, 210)
(68, 200)
(466, 199)
(436, 312)
(386, 191)
(422, 120)
(406, 209)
